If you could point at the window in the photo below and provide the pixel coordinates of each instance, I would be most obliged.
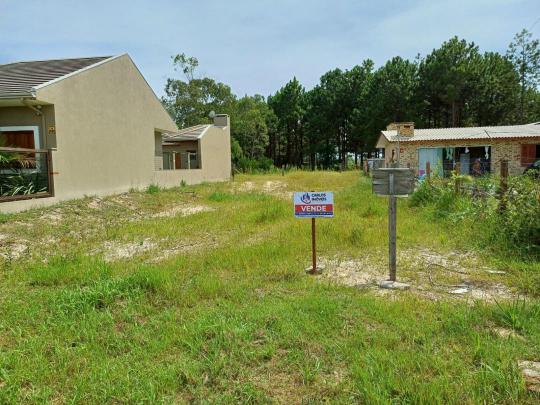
(19, 137)
(168, 160)
(180, 160)
(530, 153)
(192, 159)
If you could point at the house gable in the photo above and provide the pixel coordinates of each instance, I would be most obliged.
(116, 77)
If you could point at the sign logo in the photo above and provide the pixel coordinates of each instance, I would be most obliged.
(314, 204)
(306, 198)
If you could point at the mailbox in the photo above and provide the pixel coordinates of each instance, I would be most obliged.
(393, 181)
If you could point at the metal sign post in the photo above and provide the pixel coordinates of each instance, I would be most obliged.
(393, 182)
(313, 205)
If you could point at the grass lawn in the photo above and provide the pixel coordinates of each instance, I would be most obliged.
(198, 294)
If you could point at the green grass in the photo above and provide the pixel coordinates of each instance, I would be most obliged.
(229, 316)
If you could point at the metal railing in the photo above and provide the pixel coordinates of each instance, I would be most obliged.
(25, 174)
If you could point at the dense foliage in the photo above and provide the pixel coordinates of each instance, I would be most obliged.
(18, 175)
(508, 220)
(342, 116)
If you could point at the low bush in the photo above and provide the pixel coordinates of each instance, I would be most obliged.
(261, 165)
(507, 221)
(152, 189)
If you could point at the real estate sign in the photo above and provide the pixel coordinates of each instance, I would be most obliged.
(309, 204)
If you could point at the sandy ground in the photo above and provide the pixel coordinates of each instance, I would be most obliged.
(272, 187)
(183, 210)
(430, 274)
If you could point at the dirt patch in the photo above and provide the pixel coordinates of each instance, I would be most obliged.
(361, 273)
(433, 275)
(530, 371)
(182, 210)
(179, 249)
(277, 188)
(506, 333)
(52, 217)
(96, 204)
(14, 251)
(204, 242)
(113, 250)
(125, 200)
(272, 187)
(245, 187)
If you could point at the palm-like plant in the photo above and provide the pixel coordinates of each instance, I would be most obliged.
(15, 179)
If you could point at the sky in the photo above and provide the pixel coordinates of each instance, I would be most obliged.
(255, 46)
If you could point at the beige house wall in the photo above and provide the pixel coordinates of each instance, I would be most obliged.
(216, 155)
(106, 118)
(500, 149)
(214, 158)
(109, 126)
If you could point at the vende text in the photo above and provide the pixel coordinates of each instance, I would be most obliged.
(313, 208)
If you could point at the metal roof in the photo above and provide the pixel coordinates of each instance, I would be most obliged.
(187, 134)
(18, 79)
(468, 133)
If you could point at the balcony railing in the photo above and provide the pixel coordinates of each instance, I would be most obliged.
(25, 174)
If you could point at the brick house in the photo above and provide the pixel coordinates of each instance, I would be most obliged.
(469, 150)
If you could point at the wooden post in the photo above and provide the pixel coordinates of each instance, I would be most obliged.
(283, 170)
(313, 247)
(428, 171)
(392, 217)
(366, 168)
(503, 188)
(50, 173)
(457, 185)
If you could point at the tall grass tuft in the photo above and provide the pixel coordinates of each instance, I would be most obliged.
(515, 228)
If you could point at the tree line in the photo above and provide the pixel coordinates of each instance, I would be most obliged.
(455, 85)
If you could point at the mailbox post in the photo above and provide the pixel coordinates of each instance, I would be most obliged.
(393, 182)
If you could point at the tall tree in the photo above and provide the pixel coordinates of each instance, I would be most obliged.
(190, 101)
(524, 53)
(390, 98)
(288, 106)
(250, 122)
(496, 92)
(446, 81)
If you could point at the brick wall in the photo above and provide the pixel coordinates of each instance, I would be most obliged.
(500, 149)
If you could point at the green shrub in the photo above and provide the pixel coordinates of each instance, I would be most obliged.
(152, 189)
(520, 221)
(477, 201)
(260, 165)
(424, 194)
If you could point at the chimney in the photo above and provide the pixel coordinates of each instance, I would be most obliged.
(222, 120)
(402, 128)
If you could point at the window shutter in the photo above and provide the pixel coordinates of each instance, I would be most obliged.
(528, 154)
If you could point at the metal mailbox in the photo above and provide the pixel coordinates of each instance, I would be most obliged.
(393, 181)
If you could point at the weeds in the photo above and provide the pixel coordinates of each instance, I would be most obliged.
(226, 314)
(152, 189)
(510, 230)
(519, 315)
